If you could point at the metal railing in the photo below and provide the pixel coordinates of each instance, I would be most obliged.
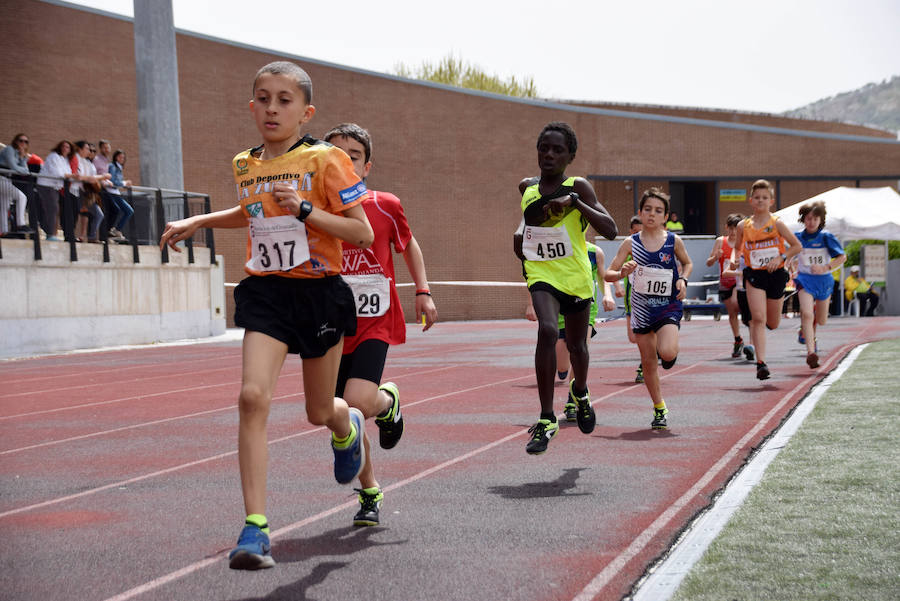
(153, 208)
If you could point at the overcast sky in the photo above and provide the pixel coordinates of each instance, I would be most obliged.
(765, 55)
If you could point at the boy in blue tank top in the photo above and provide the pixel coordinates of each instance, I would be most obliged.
(657, 289)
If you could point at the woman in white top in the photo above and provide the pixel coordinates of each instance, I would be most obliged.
(50, 187)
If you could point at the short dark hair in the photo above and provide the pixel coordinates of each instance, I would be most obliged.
(636, 220)
(657, 193)
(566, 130)
(733, 219)
(354, 131)
(816, 208)
(300, 77)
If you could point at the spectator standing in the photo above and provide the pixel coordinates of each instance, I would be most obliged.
(87, 191)
(103, 157)
(50, 187)
(121, 211)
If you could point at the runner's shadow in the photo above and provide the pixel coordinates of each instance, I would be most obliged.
(541, 490)
(642, 434)
(340, 541)
(763, 388)
(534, 384)
(296, 591)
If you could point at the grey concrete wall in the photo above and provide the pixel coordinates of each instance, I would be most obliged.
(57, 305)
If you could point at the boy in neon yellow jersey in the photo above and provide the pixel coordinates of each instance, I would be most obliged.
(550, 242)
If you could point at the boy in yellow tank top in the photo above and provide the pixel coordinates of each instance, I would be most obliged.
(761, 240)
(550, 243)
(300, 198)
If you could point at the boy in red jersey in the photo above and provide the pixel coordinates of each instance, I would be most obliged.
(300, 197)
(721, 252)
(379, 316)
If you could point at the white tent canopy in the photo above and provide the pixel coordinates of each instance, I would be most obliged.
(854, 213)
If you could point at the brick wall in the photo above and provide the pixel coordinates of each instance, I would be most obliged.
(454, 158)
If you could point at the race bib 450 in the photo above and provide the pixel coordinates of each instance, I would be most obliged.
(546, 243)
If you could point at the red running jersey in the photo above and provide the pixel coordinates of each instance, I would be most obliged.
(370, 272)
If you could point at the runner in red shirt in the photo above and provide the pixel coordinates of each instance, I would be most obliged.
(721, 252)
(379, 316)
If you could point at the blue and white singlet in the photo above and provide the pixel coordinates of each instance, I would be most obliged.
(653, 292)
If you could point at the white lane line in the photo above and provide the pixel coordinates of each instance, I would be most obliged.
(199, 565)
(612, 569)
(665, 579)
(175, 468)
(190, 415)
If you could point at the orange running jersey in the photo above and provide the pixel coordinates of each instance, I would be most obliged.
(761, 245)
(321, 174)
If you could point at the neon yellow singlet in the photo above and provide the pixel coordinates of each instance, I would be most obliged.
(570, 274)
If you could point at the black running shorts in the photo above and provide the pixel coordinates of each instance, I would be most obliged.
(309, 315)
(772, 282)
(366, 362)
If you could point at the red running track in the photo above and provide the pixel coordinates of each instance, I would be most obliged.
(120, 481)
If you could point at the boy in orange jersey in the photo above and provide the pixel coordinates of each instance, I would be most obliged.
(300, 198)
(379, 315)
(761, 239)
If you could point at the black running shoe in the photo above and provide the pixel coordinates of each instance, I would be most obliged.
(659, 419)
(738, 347)
(749, 352)
(390, 427)
(762, 371)
(585, 413)
(571, 411)
(541, 433)
(639, 375)
(369, 503)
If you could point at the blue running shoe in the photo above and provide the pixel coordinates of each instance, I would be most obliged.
(800, 338)
(253, 551)
(348, 462)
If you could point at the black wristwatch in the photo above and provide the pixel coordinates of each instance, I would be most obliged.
(305, 210)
